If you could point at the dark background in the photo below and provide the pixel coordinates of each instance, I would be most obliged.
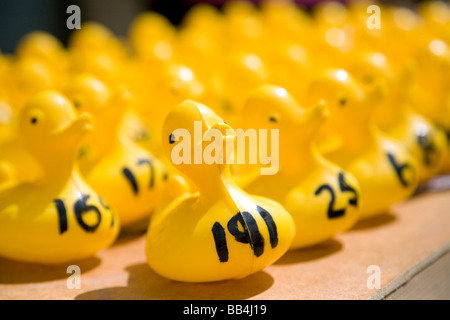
(18, 17)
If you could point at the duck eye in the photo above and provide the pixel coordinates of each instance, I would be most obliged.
(34, 120)
(343, 101)
(77, 104)
(368, 78)
(172, 138)
(273, 119)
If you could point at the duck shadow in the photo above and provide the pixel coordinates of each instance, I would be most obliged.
(14, 272)
(145, 284)
(318, 251)
(374, 222)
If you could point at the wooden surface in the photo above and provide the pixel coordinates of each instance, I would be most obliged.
(336, 269)
(432, 283)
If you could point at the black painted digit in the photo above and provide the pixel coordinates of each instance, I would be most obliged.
(131, 179)
(347, 188)
(250, 233)
(271, 226)
(221, 241)
(331, 212)
(399, 169)
(80, 208)
(105, 206)
(152, 170)
(62, 215)
(429, 150)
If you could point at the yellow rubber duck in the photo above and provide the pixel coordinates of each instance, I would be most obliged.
(219, 232)
(58, 218)
(16, 164)
(322, 198)
(129, 178)
(384, 167)
(44, 47)
(28, 76)
(395, 115)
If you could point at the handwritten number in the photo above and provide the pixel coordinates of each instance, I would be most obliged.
(152, 170)
(221, 242)
(62, 215)
(428, 148)
(331, 212)
(250, 233)
(347, 188)
(132, 179)
(271, 226)
(399, 169)
(105, 206)
(243, 227)
(80, 208)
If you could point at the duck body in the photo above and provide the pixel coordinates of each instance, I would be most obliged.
(323, 198)
(57, 218)
(384, 167)
(323, 202)
(55, 224)
(427, 142)
(201, 240)
(386, 171)
(126, 175)
(215, 231)
(130, 179)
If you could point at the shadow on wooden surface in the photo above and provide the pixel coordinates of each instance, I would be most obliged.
(13, 272)
(311, 253)
(145, 284)
(375, 222)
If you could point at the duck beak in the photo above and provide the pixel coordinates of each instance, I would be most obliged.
(228, 136)
(313, 118)
(78, 127)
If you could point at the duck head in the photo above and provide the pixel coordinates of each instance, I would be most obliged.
(50, 129)
(197, 141)
(28, 77)
(272, 107)
(107, 105)
(45, 47)
(349, 104)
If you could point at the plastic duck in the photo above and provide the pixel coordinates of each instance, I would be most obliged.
(28, 76)
(241, 74)
(395, 115)
(151, 37)
(384, 167)
(129, 178)
(95, 49)
(322, 198)
(58, 218)
(152, 102)
(16, 164)
(44, 47)
(219, 232)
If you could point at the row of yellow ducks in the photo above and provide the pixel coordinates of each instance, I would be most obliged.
(361, 145)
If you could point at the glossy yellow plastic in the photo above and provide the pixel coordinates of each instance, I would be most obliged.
(58, 218)
(129, 178)
(44, 47)
(322, 198)
(28, 76)
(384, 167)
(395, 115)
(219, 232)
